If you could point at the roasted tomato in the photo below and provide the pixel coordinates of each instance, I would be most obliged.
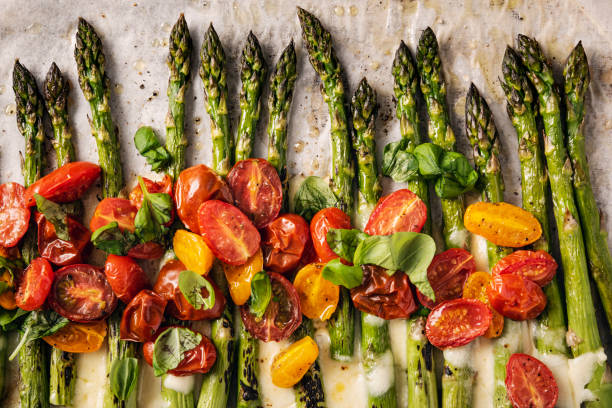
(388, 297)
(194, 186)
(14, 215)
(58, 251)
(320, 225)
(7, 297)
(125, 277)
(34, 285)
(192, 251)
(290, 365)
(114, 209)
(282, 317)
(537, 266)
(318, 296)
(198, 360)
(456, 322)
(530, 383)
(447, 274)
(229, 234)
(239, 277)
(257, 190)
(164, 186)
(178, 306)
(284, 242)
(146, 250)
(82, 294)
(79, 337)
(399, 211)
(142, 316)
(66, 184)
(516, 297)
(476, 288)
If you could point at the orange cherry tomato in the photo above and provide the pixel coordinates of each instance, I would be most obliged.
(321, 223)
(60, 252)
(142, 316)
(114, 209)
(125, 277)
(516, 297)
(530, 383)
(79, 337)
(399, 211)
(7, 298)
(284, 242)
(35, 285)
(475, 287)
(14, 215)
(239, 277)
(192, 251)
(457, 322)
(537, 266)
(290, 365)
(318, 296)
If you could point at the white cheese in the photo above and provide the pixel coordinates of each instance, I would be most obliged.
(558, 365)
(381, 376)
(184, 385)
(459, 357)
(482, 363)
(478, 248)
(398, 332)
(373, 320)
(91, 379)
(581, 371)
(150, 389)
(271, 395)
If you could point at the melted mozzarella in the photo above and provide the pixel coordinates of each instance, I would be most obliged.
(380, 377)
(150, 389)
(483, 364)
(272, 396)
(459, 356)
(558, 365)
(398, 332)
(184, 385)
(91, 379)
(581, 370)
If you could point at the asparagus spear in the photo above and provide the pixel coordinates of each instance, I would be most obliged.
(247, 383)
(321, 54)
(3, 362)
(62, 377)
(253, 74)
(309, 391)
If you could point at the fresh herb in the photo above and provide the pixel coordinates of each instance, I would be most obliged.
(148, 145)
(123, 377)
(340, 274)
(412, 253)
(170, 348)
(191, 285)
(112, 240)
(10, 319)
(38, 324)
(313, 195)
(429, 156)
(375, 250)
(55, 214)
(398, 163)
(155, 211)
(344, 241)
(261, 293)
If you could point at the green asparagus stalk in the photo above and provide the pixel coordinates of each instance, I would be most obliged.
(118, 349)
(309, 391)
(3, 363)
(33, 366)
(62, 377)
(177, 399)
(247, 383)
(375, 351)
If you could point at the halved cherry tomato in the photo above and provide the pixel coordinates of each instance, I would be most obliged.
(283, 315)
(318, 296)
(7, 298)
(239, 277)
(14, 215)
(178, 306)
(503, 224)
(320, 225)
(388, 297)
(537, 266)
(66, 184)
(197, 360)
(114, 209)
(79, 337)
(82, 294)
(457, 322)
(142, 316)
(146, 250)
(290, 365)
(516, 297)
(192, 251)
(229, 234)
(125, 277)
(476, 288)
(164, 186)
(257, 190)
(399, 211)
(447, 274)
(35, 284)
(530, 383)
(284, 242)
(194, 186)
(57, 251)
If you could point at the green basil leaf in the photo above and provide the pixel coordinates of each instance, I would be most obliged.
(375, 250)
(344, 241)
(412, 252)
(399, 164)
(429, 155)
(38, 324)
(112, 240)
(170, 348)
(261, 293)
(313, 195)
(459, 168)
(123, 377)
(344, 275)
(10, 319)
(55, 214)
(160, 204)
(148, 145)
(145, 226)
(446, 187)
(191, 285)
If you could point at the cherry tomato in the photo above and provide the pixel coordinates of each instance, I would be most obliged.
(516, 297)
(146, 250)
(399, 211)
(14, 215)
(290, 365)
(197, 360)
(125, 277)
(388, 297)
(320, 225)
(114, 209)
(164, 186)
(456, 322)
(537, 266)
(476, 288)
(447, 274)
(58, 251)
(229, 234)
(79, 337)
(318, 296)
(142, 316)
(530, 383)
(34, 285)
(66, 184)
(282, 317)
(192, 251)
(284, 242)
(82, 294)
(194, 186)
(239, 277)
(178, 306)
(257, 190)
(7, 298)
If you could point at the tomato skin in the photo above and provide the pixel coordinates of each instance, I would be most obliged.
(142, 316)
(516, 297)
(399, 211)
(164, 186)
(475, 287)
(530, 383)
(79, 337)
(318, 296)
(114, 209)
(457, 322)
(239, 278)
(178, 306)
(66, 184)
(284, 242)
(146, 250)
(537, 266)
(321, 223)
(125, 277)
(283, 315)
(34, 285)
(58, 251)
(14, 215)
(290, 365)
(194, 186)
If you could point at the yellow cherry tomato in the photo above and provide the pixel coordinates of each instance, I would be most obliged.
(475, 287)
(193, 252)
(290, 365)
(239, 277)
(7, 298)
(318, 296)
(79, 337)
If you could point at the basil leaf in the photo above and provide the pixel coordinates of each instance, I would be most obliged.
(145, 226)
(191, 285)
(10, 319)
(160, 204)
(446, 187)
(123, 377)
(261, 293)
(170, 348)
(459, 168)
(344, 241)
(55, 214)
(429, 155)
(313, 195)
(38, 324)
(412, 253)
(399, 164)
(112, 240)
(148, 145)
(375, 250)
(344, 275)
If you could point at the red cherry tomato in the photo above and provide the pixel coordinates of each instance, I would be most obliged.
(283, 315)
(14, 215)
(284, 242)
(399, 211)
(125, 277)
(257, 190)
(114, 209)
(447, 274)
(146, 250)
(164, 186)
(34, 285)
(142, 317)
(197, 360)
(178, 306)
(194, 186)
(537, 266)
(516, 297)
(456, 322)
(229, 234)
(58, 251)
(320, 225)
(388, 297)
(82, 294)
(530, 383)
(66, 184)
